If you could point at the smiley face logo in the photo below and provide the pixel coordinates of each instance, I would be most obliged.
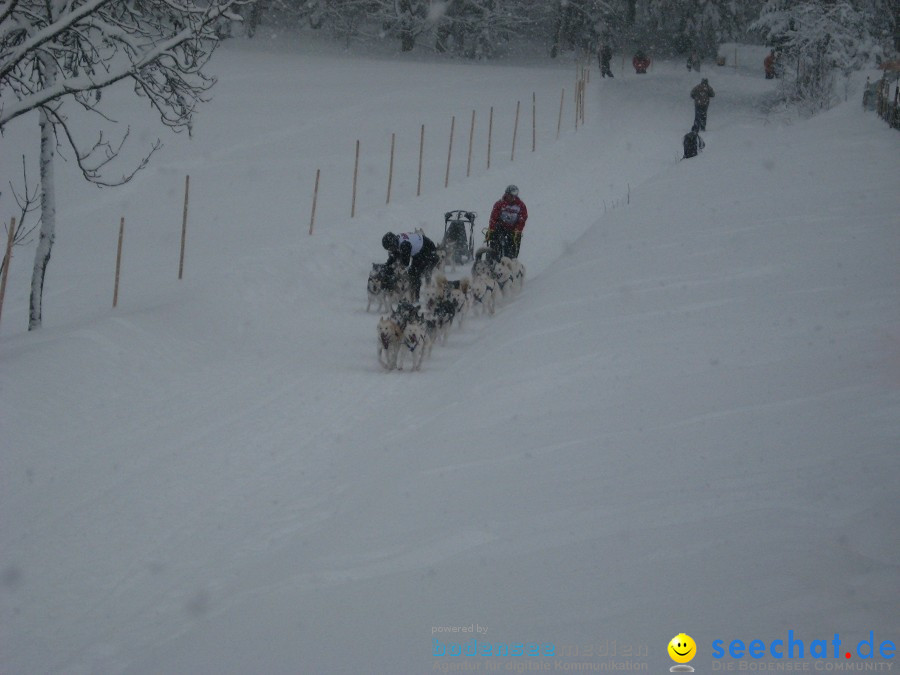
(682, 648)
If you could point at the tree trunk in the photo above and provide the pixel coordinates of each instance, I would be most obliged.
(48, 206)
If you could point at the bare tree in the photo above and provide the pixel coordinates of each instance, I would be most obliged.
(27, 203)
(56, 57)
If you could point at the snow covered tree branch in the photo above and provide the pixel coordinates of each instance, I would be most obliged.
(56, 57)
(820, 40)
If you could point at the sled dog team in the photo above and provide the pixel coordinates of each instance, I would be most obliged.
(411, 328)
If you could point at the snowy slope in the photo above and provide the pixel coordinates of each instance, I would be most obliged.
(689, 420)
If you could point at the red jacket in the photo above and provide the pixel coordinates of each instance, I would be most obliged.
(508, 214)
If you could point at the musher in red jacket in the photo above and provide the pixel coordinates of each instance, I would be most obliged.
(507, 223)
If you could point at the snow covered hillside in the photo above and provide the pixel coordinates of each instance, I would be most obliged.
(689, 421)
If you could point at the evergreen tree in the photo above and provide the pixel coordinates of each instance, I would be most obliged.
(817, 41)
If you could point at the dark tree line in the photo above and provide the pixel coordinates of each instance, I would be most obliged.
(482, 28)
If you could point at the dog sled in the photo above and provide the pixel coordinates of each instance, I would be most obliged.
(459, 245)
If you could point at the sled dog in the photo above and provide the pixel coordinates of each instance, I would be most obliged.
(413, 344)
(390, 336)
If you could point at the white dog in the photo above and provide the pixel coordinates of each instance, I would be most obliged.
(413, 344)
(503, 276)
(516, 273)
(481, 295)
(389, 339)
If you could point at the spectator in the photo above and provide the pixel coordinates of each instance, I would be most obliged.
(640, 62)
(605, 56)
(769, 65)
(701, 95)
(693, 144)
(693, 61)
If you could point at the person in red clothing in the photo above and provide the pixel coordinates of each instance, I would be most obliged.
(769, 65)
(506, 223)
(640, 62)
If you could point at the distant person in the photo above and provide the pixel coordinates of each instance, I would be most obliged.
(640, 62)
(692, 142)
(769, 65)
(701, 95)
(693, 61)
(605, 56)
(507, 223)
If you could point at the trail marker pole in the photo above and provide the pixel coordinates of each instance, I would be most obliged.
(355, 174)
(562, 97)
(490, 134)
(421, 154)
(118, 261)
(390, 170)
(184, 215)
(512, 155)
(7, 259)
(449, 151)
(312, 215)
(471, 136)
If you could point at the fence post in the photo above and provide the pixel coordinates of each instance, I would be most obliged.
(184, 215)
(577, 104)
(471, 136)
(390, 170)
(562, 97)
(490, 134)
(512, 156)
(533, 121)
(421, 153)
(449, 151)
(7, 259)
(312, 215)
(355, 173)
(118, 261)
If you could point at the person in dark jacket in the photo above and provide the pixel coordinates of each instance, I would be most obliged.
(605, 56)
(701, 95)
(412, 250)
(506, 223)
(692, 142)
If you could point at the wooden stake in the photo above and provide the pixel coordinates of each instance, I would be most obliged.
(391, 170)
(312, 216)
(533, 121)
(449, 151)
(490, 134)
(471, 136)
(187, 190)
(118, 261)
(584, 84)
(577, 92)
(562, 97)
(512, 155)
(421, 154)
(355, 173)
(7, 259)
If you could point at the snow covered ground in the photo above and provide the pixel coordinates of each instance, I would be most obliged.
(689, 421)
